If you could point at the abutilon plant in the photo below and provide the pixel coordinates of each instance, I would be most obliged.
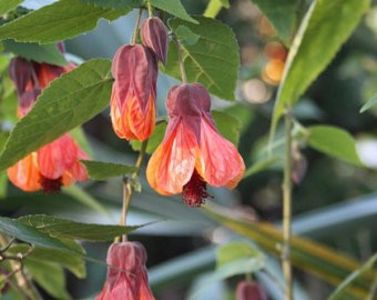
(127, 276)
(193, 153)
(57, 163)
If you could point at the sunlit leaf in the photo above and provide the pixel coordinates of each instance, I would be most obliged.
(62, 228)
(27, 233)
(175, 8)
(213, 60)
(305, 62)
(68, 102)
(335, 142)
(214, 7)
(58, 21)
(39, 53)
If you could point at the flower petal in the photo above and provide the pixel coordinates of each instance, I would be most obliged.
(25, 174)
(57, 157)
(219, 162)
(173, 163)
(141, 123)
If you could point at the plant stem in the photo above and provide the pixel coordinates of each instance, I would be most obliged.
(181, 62)
(22, 283)
(136, 29)
(128, 186)
(287, 209)
(150, 9)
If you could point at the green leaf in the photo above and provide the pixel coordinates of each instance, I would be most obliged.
(154, 141)
(99, 170)
(29, 234)
(8, 5)
(213, 61)
(228, 126)
(73, 262)
(62, 228)
(175, 8)
(305, 62)
(340, 292)
(186, 36)
(39, 53)
(69, 101)
(282, 15)
(335, 142)
(116, 4)
(214, 7)
(239, 258)
(315, 258)
(50, 276)
(371, 102)
(58, 21)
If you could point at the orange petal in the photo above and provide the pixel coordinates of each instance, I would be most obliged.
(141, 122)
(118, 121)
(219, 162)
(173, 163)
(57, 157)
(25, 174)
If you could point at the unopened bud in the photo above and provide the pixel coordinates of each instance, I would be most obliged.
(250, 290)
(155, 36)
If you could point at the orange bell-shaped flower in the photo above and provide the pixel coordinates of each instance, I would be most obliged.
(193, 152)
(54, 165)
(58, 163)
(127, 277)
(133, 107)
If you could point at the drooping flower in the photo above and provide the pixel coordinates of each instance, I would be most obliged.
(57, 163)
(30, 78)
(250, 290)
(133, 107)
(52, 166)
(154, 35)
(193, 153)
(127, 277)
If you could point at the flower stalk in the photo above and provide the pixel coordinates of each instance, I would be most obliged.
(181, 61)
(129, 187)
(136, 29)
(287, 208)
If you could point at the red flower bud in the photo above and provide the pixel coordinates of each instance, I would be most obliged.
(250, 290)
(133, 110)
(155, 36)
(127, 275)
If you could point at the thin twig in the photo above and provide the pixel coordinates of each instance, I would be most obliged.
(128, 187)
